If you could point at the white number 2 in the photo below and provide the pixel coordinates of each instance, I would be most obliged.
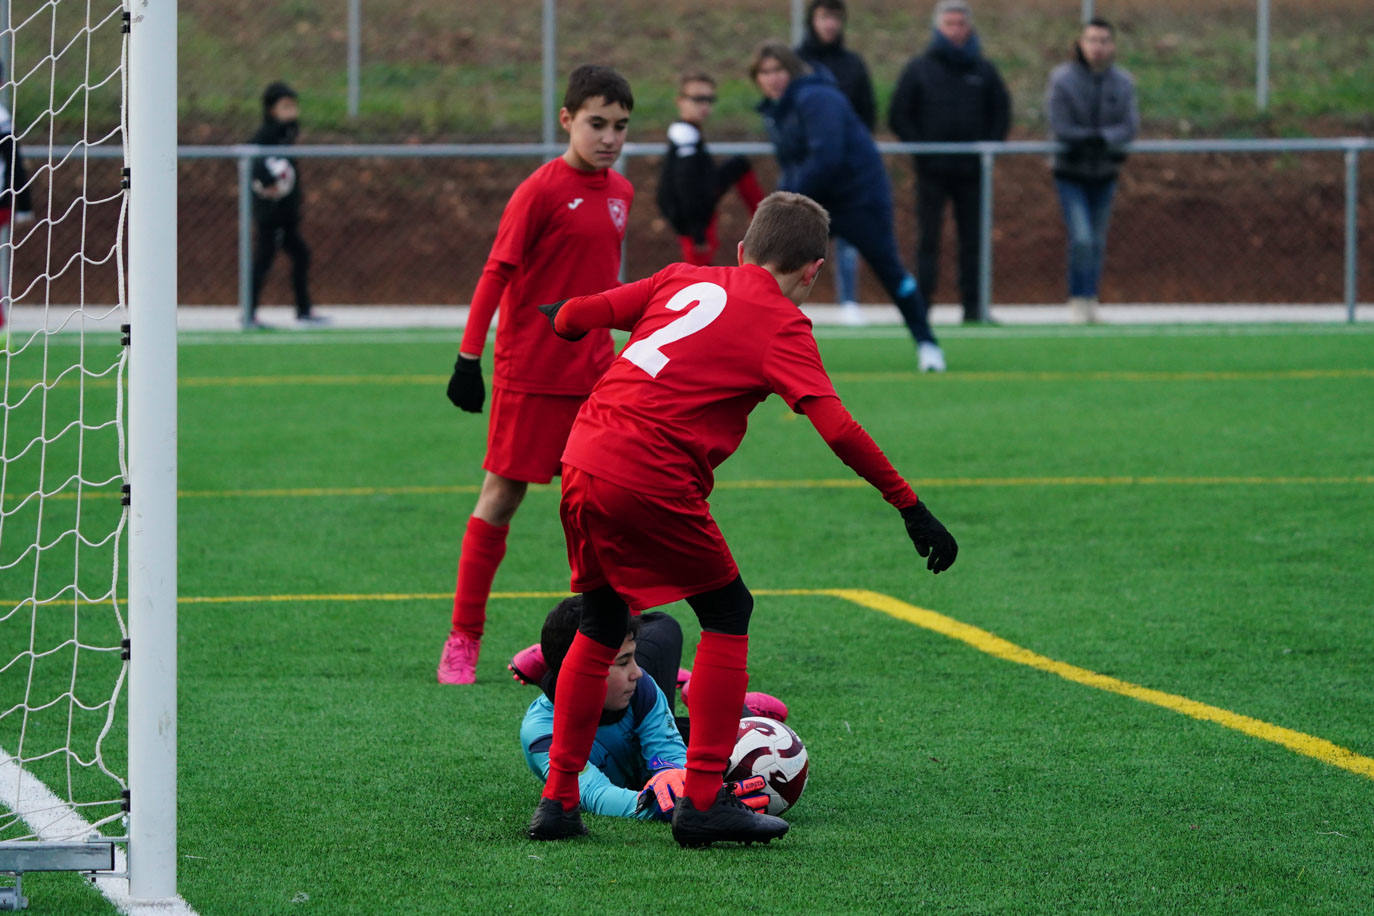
(710, 302)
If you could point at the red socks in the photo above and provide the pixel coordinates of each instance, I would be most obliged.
(577, 703)
(720, 677)
(484, 546)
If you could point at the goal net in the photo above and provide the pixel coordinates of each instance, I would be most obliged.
(69, 512)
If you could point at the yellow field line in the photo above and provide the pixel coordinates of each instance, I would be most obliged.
(837, 483)
(982, 640)
(1120, 375)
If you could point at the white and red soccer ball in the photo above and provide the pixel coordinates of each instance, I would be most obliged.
(768, 748)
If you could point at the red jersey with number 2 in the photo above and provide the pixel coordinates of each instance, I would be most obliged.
(563, 229)
(708, 344)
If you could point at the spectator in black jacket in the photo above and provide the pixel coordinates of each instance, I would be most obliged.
(950, 94)
(824, 46)
(277, 201)
(691, 184)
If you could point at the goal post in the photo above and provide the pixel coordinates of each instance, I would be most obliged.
(152, 284)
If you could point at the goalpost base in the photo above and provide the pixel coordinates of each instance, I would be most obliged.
(16, 858)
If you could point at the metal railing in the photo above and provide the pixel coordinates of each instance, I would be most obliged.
(988, 154)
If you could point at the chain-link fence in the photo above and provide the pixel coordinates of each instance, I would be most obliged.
(1187, 227)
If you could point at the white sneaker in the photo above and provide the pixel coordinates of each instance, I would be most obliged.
(1083, 309)
(929, 357)
(852, 315)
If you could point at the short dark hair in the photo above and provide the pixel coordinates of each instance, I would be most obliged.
(560, 626)
(275, 92)
(694, 76)
(833, 6)
(589, 81)
(780, 52)
(788, 232)
(1100, 23)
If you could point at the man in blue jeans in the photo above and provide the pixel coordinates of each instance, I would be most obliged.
(1092, 112)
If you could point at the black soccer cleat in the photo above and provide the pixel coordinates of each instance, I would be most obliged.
(551, 822)
(728, 819)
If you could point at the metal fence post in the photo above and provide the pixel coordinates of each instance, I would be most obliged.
(1352, 248)
(985, 237)
(550, 71)
(355, 53)
(1262, 55)
(799, 23)
(245, 239)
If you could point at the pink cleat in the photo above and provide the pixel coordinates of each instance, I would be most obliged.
(683, 676)
(458, 664)
(766, 705)
(528, 665)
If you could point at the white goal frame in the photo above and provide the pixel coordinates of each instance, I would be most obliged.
(152, 571)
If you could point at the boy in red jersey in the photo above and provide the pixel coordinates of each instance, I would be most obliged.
(707, 345)
(560, 236)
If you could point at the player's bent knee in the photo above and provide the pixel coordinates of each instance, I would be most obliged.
(725, 610)
(605, 617)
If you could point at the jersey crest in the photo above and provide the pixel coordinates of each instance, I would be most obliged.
(619, 212)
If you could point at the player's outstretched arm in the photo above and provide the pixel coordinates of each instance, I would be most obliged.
(614, 308)
(848, 440)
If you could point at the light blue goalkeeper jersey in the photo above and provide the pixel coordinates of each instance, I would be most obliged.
(624, 755)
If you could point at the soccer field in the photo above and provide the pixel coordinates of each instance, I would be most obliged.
(1143, 687)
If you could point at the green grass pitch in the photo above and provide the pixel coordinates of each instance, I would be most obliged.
(1185, 510)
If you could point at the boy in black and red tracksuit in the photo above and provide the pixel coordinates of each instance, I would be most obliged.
(707, 345)
(277, 201)
(691, 183)
(560, 235)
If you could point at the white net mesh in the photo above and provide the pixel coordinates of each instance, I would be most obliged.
(62, 455)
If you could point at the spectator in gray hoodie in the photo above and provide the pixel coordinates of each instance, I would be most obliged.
(1092, 112)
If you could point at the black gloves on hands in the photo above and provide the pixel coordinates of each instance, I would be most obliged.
(465, 388)
(551, 312)
(931, 538)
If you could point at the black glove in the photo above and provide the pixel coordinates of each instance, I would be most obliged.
(931, 538)
(465, 388)
(551, 312)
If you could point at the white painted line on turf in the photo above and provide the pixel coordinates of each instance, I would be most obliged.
(53, 820)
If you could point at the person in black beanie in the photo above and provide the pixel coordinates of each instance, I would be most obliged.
(950, 94)
(277, 201)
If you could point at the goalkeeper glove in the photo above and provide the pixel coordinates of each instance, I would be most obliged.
(551, 312)
(465, 388)
(751, 792)
(660, 793)
(931, 538)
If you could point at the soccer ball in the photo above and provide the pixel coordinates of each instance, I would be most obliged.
(768, 748)
(284, 178)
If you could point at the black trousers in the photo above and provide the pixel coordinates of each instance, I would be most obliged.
(933, 191)
(276, 231)
(658, 650)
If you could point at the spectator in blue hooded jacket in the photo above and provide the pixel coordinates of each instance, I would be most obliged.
(826, 153)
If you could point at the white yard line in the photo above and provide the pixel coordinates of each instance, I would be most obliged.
(53, 820)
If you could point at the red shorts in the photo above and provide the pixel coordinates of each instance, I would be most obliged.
(527, 433)
(652, 550)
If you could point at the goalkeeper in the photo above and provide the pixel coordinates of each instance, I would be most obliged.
(636, 768)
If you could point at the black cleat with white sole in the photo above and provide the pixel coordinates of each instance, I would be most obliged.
(728, 819)
(551, 822)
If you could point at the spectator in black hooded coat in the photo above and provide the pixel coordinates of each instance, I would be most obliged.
(277, 201)
(950, 94)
